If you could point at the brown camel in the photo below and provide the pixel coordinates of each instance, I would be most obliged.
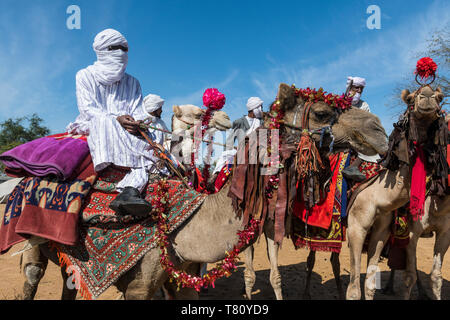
(374, 205)
(210, 232)
(356, 129)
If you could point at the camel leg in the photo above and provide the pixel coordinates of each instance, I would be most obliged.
(356, 234)
(389, 289)
(309, 268)
(34, 265)
(249, 272)
(144, 279)
(440, 248)
(275, 276)
(422, 292)
(337, 273)
(69, 291)
(378, 239)
(410, 275)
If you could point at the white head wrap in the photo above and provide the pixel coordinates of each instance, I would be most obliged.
(253, 103)
(152, 102)
(356, 81)
(110, 65)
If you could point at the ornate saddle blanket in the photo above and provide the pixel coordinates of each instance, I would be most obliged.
(110, 245)
(327, 230)
(46, 207)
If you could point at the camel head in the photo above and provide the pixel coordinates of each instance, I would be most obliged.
(424, 103)
(221, 121)
(353, 128)
(185, 116)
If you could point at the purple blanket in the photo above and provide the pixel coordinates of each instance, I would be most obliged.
(59, 155)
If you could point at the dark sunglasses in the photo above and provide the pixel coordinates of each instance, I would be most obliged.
(111, 48)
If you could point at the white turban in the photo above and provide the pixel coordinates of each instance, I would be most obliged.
(152, 102)
(357, 81)
(253, 103)
(110, 65)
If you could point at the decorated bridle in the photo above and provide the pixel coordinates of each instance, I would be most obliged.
(308, 162)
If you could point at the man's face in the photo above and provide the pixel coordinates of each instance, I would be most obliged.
(356, 89)
(157, 113)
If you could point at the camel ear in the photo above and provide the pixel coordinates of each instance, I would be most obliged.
(177, 111)
(407, 97)
(286, 96)
(439, 95)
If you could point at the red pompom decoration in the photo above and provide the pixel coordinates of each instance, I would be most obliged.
(426, 68)
(213, 99)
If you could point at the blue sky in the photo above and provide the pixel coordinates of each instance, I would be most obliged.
(244, 48)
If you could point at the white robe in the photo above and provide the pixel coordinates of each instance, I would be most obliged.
(108, 141)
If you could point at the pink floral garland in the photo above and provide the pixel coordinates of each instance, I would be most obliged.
(213, 100)
(181, 278)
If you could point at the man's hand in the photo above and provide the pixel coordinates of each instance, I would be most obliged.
(129, 124)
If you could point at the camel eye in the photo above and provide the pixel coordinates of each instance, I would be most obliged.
(321, 115)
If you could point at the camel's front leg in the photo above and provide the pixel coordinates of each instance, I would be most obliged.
(310, 261)
(142, 281)
(440, 248)
(275, 276)
(249, 272)
(360, 219)
(379, 237)
(337, 273)
(410, 275)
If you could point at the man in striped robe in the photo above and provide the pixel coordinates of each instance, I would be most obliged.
(110, 105)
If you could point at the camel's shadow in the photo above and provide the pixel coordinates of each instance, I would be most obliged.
(294, 280)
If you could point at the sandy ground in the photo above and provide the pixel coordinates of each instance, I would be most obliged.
(292, 264)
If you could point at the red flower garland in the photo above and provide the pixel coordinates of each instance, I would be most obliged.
(426, 68)
(336, 101)
(181, 278)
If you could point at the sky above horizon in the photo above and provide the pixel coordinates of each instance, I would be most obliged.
(243, 48)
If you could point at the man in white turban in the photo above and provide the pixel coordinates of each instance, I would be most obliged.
(242, 127)
(355, 88)
(110, 105)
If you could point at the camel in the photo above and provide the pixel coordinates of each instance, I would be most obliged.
(185, 116)
(209, 233)
(373, 206)
(436, 218)
(374, 143)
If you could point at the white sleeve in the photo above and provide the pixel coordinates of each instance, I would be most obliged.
(365, 106)
(136, 109)
(87, 104)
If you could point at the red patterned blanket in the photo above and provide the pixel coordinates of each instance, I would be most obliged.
(47, 208)
(314, 237)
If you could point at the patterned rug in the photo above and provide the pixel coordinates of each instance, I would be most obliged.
(46, 207)
(320, 239)
(109, 246)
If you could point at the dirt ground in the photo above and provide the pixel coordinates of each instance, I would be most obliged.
(292, 264)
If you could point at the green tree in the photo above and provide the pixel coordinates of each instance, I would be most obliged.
(14, 133)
